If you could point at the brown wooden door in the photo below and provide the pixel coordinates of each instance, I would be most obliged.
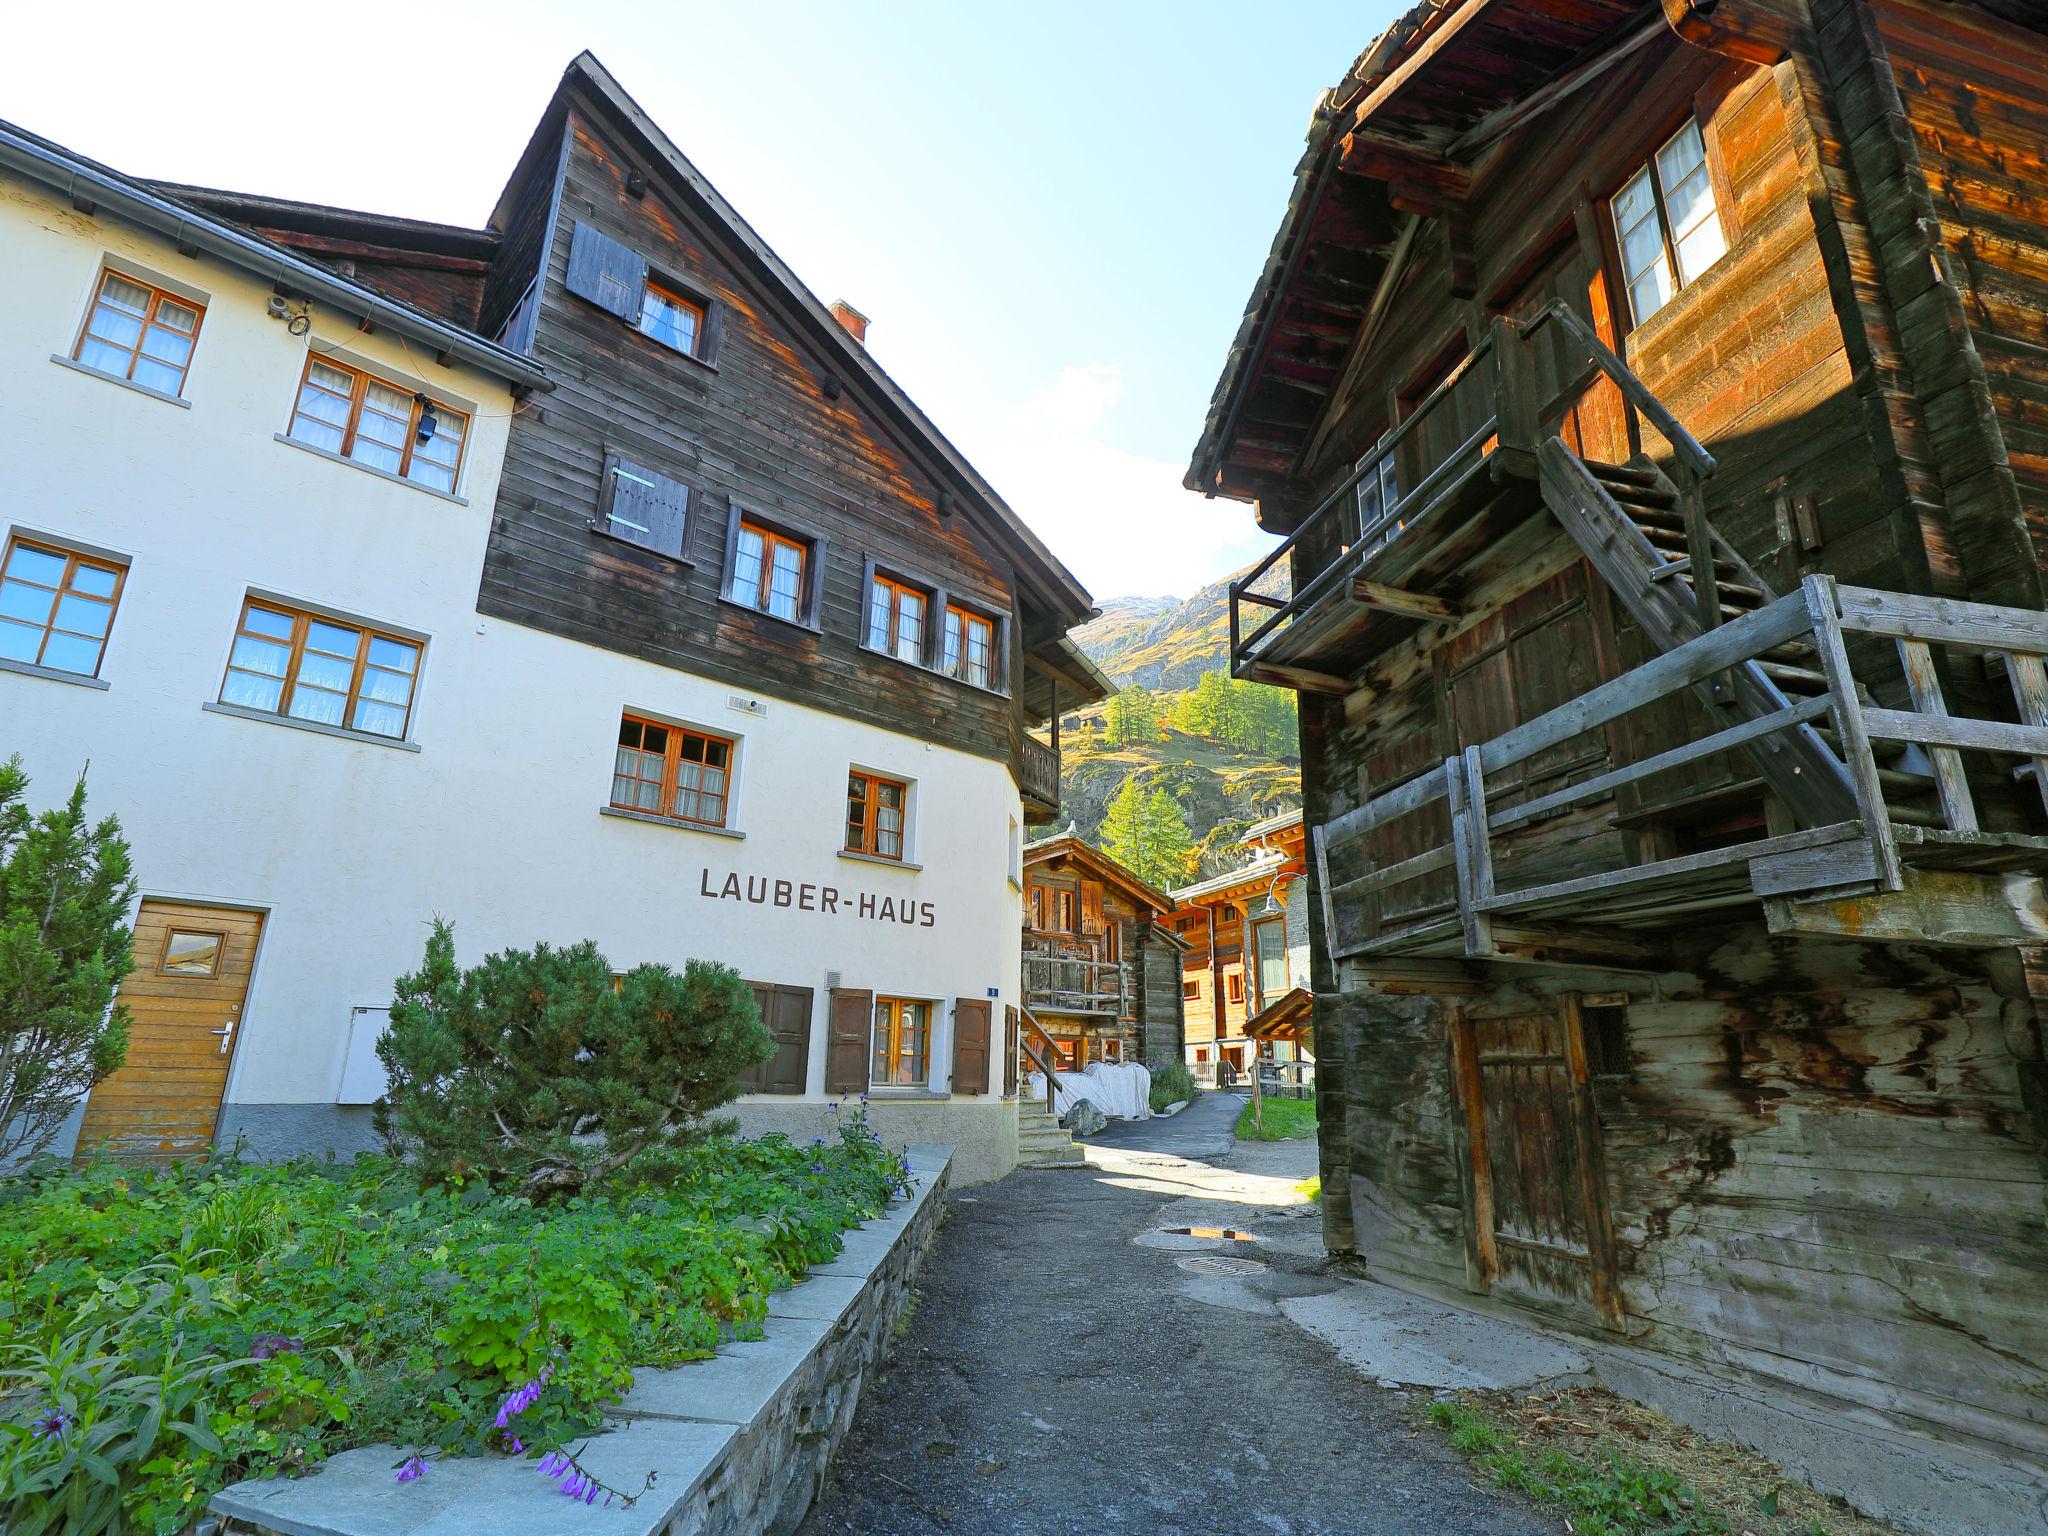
(184, 999)
(1583, 407)
(1538, 1222)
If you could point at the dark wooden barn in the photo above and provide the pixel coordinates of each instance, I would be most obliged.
(1655, 401)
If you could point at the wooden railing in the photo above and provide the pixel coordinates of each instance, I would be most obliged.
(1038, 772)
(1074, 983)
(1040, 1050)
(1862, 853)
(1368, 535)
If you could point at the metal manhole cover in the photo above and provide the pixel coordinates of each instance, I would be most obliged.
(1220, 1264)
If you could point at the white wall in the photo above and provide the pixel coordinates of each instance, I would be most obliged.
(494, 821)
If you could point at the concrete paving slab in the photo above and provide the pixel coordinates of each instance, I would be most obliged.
(1402, 1340)
(821, 1296)
(735, 1386)
(513, 1498)
(353, 1494)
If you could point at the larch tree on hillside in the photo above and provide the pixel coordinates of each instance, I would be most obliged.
(1147, 834)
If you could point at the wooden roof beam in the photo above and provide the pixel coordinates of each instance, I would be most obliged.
(1414, 605)
(1419, 180)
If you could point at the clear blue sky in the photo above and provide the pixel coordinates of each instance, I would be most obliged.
(1052, 213)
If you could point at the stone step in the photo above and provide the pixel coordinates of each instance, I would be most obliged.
(1065, 1157)
(1057, 1139)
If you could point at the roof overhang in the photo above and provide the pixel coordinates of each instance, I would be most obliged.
(1067, 846)
(1289, 1017)
(96, 189)
(1400, 140)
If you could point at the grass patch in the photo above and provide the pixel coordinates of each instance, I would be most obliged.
(1619, 1469)
(1310, 1190)
(1286, 1120)
(165, 1333)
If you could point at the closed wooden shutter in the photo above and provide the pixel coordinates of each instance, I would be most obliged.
(1091, 907)
(1012, 1046)
(644, 507)
(970, 1044)
(846, 1043)
(786, 1015)
(612, 276)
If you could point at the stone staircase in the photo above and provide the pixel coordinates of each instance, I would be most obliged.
(1042, 1142)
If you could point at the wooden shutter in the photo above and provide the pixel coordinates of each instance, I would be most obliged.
(1091, 907)
(1012, 1045)
(846, 1042)
(612, 276)
(970, 1044)
(786, 1015)
(644, 507)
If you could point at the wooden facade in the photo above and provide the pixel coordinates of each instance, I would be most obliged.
(1246, 932)
(1101, 967)
(1674, 716)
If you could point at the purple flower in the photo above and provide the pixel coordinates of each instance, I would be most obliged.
(52, 1425)
(411, 1469)
(519, 1400)
(515, 1445)
(817, 1167)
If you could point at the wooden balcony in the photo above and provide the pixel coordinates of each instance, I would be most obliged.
(1875, 825)
(1037, 771)
(1068, 976)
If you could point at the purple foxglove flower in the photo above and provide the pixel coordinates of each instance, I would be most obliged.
(411, 1469)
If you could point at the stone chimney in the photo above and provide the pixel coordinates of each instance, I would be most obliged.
(855, 323)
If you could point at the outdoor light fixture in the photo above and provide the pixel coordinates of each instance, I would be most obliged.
(428, 423)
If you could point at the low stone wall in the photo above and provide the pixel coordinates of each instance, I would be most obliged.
(740, 1443)
(981, 1131)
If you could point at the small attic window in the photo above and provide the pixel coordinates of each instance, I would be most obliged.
(663, 307)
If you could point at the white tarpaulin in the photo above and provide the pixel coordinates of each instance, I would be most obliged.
(1122, 1090)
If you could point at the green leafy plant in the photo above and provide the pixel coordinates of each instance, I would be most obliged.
(1173, 1082)
(64, 950)
(1278, 1120)
(540, 1070)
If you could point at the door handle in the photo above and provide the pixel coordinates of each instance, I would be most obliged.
(227, 1034)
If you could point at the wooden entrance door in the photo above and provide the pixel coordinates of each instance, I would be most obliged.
(184, 1001)
(1537, 1223)
(1576, 401)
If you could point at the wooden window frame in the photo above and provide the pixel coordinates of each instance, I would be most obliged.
(1648, 166)
(73, 559)
(675, 292)
(302, 621)
(671, 771)
(1067, 912)
(898, 588)
(1261, 925)
(360, 381)
(157, 296)
(870, 841)
(1191, 989)
(896, 1007)
(1034, 904)
(812, 597)
(969, 614)
(171, 931)
(1233, 988)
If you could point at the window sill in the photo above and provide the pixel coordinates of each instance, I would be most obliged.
(598, 530)
(918, 666)
(51, 674)
(340, 732)
(810, 626)
(668, 351)
(368, 469)
(669, 821)
(876, 858)
(114, 378)
(905, 1095)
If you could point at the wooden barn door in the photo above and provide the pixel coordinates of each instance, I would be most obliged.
(1538, 1226)
(184, 1000)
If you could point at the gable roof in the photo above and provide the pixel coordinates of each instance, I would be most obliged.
(1056, 586)
(1068, 845)
(165, 210)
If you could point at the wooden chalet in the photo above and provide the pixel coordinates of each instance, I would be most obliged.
(1247, 936)
(1652, 399)
(1101, 968)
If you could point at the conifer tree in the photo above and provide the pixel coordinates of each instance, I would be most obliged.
(1123, 825)
(1164, 838)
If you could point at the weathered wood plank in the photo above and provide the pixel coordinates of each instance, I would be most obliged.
(1906, 616)
(1950, 783)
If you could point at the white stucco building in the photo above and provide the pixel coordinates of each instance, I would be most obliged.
(263, 572)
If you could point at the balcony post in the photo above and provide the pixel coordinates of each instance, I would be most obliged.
(1819, 592)
(1515, 402)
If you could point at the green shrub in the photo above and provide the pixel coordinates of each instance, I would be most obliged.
(64, 949)
(1172, 1083)
(540, 1070)
(200, 1324)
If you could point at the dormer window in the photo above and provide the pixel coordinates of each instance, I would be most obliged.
(1665, 219)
